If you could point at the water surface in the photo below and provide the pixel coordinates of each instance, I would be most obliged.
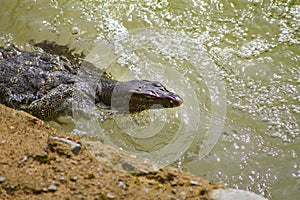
(235, 63)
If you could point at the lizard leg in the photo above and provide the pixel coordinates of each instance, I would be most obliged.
(56, 103)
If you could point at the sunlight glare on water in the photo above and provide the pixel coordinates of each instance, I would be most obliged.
(251, 46)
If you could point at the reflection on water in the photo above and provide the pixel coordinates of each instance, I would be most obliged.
(254, 48)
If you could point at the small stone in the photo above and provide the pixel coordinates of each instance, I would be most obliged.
(110, 196)
(2, 179)
(74, 162)
(122, 184)
(128, 167)
(194, 183)
(75, 148)
(25, 158)
(52, 188)
(62, 179)
(75, 178)
(152, 182)
(143, 171)
(98, 184)
(73, 188)
(12, 187)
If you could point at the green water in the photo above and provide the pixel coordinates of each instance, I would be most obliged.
(235, 63)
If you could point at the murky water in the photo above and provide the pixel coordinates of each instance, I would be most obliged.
(235, 63)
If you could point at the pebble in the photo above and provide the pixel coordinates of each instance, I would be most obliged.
(62, 179)
(75, 148)
(25, 158)
(194, 183)
(52, 188)
(2, 179)
(75, 178)
(128, 167)
(99, 184)
(110, 196)
(143, 171)
(122, 184)
(73, 188)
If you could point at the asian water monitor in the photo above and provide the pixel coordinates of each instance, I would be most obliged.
(43, 83)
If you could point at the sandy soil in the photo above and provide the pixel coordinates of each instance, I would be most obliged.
(34, 164)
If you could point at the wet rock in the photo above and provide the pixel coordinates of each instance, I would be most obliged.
(232, 194)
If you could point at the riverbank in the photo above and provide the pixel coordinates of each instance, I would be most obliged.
(36, 164)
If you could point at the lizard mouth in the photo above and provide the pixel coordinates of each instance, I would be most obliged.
(140, 102)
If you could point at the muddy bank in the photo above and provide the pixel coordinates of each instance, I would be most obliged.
(35, 164)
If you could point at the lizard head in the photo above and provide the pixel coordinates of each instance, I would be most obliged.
(139, 95)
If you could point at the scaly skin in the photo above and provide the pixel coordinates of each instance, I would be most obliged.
(46, 82)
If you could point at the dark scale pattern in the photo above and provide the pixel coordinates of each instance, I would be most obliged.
(28, 76)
